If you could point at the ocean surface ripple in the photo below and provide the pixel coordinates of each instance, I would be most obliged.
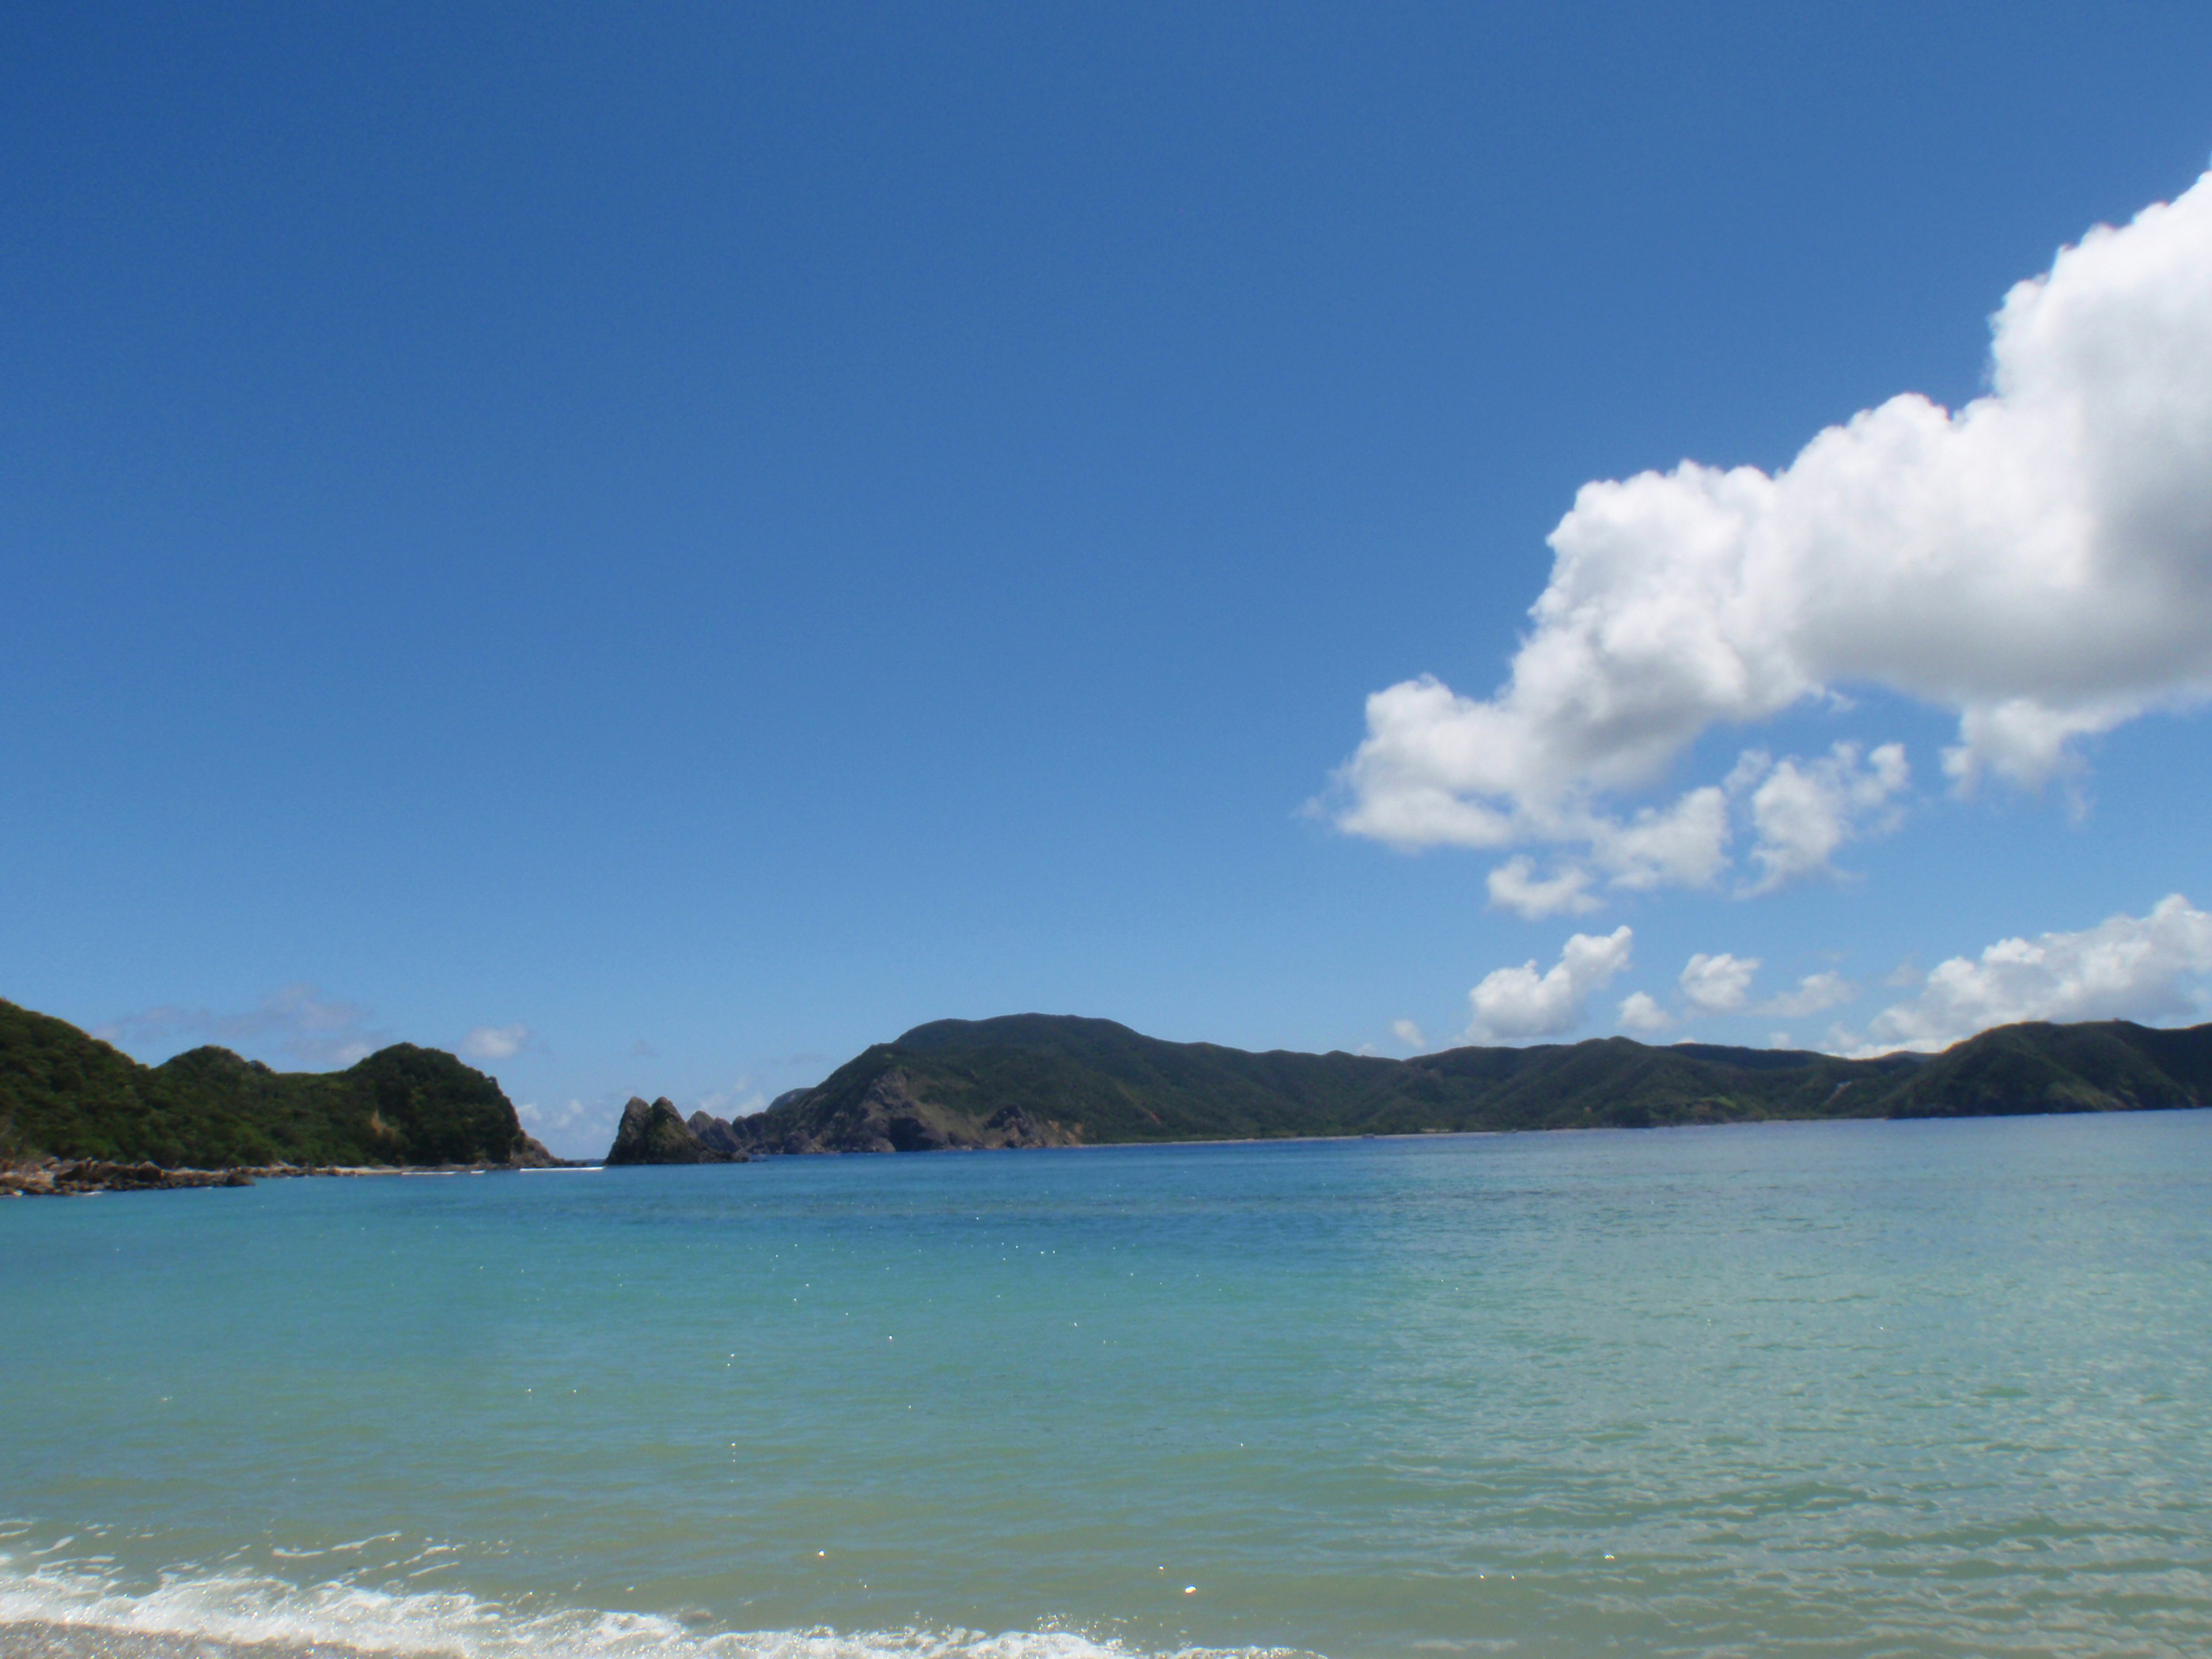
(1820, 1390)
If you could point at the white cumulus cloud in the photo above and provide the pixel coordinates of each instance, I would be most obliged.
(1804, 811)
(1408, 1035)
(2037, 562)
(1519, 1002)
(1640, 1012)
(2140, 968)
(1717, 984)
(495, 1041)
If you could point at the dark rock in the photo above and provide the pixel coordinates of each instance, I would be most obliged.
(65, 1178)
(656, 1133)
(716, 1135)
(1014, 1126)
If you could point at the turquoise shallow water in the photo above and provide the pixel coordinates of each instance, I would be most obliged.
(1787, 1390)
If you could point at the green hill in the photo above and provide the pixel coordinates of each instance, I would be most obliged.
(65, 1094)
(1038, 1079)
(2108, 1066)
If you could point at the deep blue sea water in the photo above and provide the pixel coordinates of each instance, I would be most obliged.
(1847, 1390)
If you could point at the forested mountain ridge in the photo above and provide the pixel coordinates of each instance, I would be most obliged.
(1039, 1079)
(1046, 1080)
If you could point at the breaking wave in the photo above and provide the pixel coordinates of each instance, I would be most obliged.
(79, 1611)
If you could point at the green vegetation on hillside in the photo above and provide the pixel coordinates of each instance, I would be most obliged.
(2101, 1066)
(68, 1095)
(1036, 1079)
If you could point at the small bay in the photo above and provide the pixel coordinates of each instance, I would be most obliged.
(1851, 1389)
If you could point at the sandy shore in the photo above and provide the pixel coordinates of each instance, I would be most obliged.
(37, 1640)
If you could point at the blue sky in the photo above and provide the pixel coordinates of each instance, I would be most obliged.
(664, 545)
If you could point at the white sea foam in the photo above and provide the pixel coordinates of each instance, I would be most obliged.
(189, 1614)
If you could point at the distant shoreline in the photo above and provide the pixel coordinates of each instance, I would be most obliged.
(1695, 1124)
(64, 1177)
(78, 1178)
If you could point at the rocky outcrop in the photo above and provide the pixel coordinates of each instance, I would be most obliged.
(656, 1133)
(64, 1177)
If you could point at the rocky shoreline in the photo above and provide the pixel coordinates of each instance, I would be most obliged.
(66, 1177)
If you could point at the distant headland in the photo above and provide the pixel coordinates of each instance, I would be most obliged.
(1055, 1080)
(79, 1115)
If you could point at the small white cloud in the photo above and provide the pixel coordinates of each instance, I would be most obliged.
(1514, 886)
(1815, 993)
(569, 1115)
(2140, 968)
(1519, 1002)
(1778, 1039)
(1718, 984)
(1804, 811)
(1408, 1035)
(495, 1041)
(1638, 1013)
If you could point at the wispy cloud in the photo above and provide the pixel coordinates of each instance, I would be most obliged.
(1717, 984)
(1515, 886)
(296, 1021)
(740, 1099)
(1815, 993)
(495, 1041)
